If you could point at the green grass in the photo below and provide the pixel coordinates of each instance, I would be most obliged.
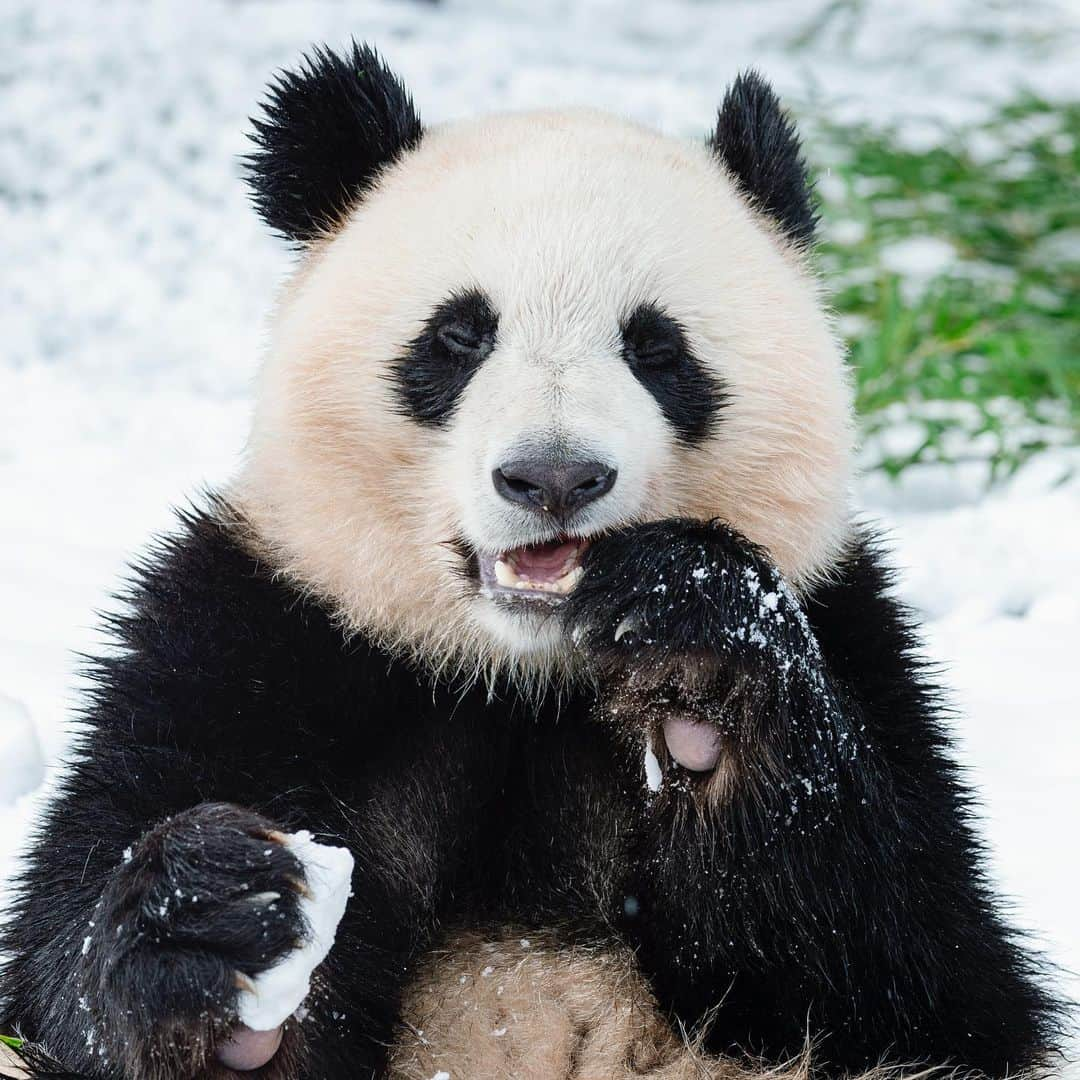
(994, 331)
(9, 1040)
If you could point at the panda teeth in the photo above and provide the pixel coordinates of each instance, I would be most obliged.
(505, 575)
(508, 577)
(567, 582)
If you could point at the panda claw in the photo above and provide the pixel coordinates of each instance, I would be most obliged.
(298, 886)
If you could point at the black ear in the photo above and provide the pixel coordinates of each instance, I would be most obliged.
(757, 143)
(326, 131)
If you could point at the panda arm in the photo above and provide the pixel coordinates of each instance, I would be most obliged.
(823, 878)
(232, 709)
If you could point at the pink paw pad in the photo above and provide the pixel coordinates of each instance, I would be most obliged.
(694, 746)
(246, 1049)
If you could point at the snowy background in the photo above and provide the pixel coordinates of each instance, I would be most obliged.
(135, 282)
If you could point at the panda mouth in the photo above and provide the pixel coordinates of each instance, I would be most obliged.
(547, 572)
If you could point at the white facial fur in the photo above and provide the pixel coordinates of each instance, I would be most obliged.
(566, 221)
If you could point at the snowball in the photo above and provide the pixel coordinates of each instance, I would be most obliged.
(654, 775)
(281, 990)
(20, 752)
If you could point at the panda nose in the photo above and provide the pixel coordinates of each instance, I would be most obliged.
(556, 487)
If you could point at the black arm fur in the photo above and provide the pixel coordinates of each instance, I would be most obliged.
(831, 883)
(229, 688)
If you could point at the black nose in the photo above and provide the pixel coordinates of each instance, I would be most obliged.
(557, 487)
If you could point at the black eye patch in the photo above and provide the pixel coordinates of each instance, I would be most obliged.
(439, 362)
(656, 350)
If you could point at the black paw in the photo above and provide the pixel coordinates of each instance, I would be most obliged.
(706, 663)
(203, 903)
(699, 648)
(686, 594)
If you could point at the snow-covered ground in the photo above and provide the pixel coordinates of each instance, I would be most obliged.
(135, 282)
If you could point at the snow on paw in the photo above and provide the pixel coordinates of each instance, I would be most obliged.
(198, 911)
(685, 594)
(693, 637)
(275, 994)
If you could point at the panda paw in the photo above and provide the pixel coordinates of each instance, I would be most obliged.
(681, 589)
(691, 633)
(198, 909)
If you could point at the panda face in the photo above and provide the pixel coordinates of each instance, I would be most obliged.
(535, 328)
(555, 452)
(562, 417)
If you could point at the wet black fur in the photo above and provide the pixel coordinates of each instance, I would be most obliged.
(325, 134)
(838, 889)
(760, 148)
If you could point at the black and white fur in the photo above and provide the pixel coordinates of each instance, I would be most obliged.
(314, 648)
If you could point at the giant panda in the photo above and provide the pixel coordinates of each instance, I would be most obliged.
(539, 591)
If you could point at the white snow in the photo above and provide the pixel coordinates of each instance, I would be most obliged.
(23, 765)
(136, 281)
(281, 990)
(917, 259)
(654, 774)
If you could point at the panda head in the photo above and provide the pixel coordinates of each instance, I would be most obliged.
(506, 336)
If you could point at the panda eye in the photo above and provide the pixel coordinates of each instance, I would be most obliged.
(652, 341)
(435, 368)
(656, 356)
(462, 340)
(659, 355)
